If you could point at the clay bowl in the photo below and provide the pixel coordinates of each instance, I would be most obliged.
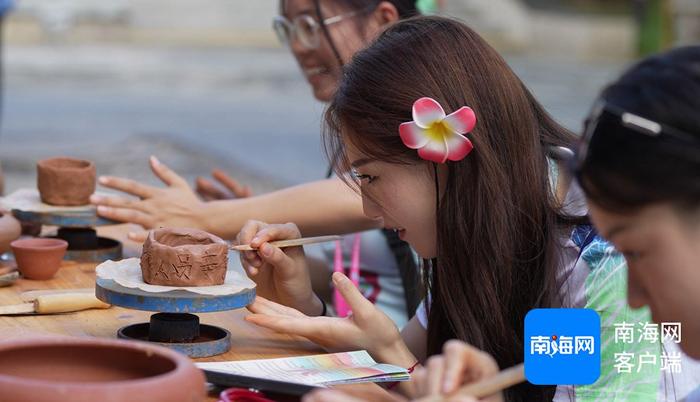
(10, 229)
(38, 258)
(93, 369)
(184, 257)
(65, 181)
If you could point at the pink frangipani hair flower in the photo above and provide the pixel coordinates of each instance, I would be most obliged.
(436, 136)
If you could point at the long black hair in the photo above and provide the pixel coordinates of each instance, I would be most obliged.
(623, 169)
(498, 222)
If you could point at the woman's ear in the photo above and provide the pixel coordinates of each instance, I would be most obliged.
(383, 15)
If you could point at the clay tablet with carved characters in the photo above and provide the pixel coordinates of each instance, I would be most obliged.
(183, 257)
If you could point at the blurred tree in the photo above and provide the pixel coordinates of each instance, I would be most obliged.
(655, 25)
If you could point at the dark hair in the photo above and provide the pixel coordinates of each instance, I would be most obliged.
(405, 8)
(623, 169)
(498, 220)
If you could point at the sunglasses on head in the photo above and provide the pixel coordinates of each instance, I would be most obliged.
(605, 116)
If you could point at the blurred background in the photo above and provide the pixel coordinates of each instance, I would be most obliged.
(205, 84)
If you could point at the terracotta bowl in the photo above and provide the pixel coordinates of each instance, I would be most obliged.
(93, 369)
(38, 258)
(184, 257)
(10, 229)
(65, 181)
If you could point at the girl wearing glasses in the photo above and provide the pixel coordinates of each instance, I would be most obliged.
(447, 146)
(322, 35)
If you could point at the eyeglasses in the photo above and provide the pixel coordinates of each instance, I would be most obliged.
(304, 28)
(607, 115)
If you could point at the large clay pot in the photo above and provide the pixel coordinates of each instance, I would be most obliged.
(94, 369)
(65, 181)
(10, 229)
(37, 258)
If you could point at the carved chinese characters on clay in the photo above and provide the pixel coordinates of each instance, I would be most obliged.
(184, 257)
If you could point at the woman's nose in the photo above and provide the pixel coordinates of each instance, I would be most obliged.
(370, 208)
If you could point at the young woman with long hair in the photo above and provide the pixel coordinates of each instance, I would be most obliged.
(482, 201)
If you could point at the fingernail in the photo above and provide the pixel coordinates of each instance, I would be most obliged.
(103, 180)
(266, 249)
(154, 160)
(102, 209)
(95, 199)
(338, 277)
(255, 241)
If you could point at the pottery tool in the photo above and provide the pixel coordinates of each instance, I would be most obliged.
(55, 303)
(33, 294)
(489, 386)
(290, 243)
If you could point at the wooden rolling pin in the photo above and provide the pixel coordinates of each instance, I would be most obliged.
(55, 303)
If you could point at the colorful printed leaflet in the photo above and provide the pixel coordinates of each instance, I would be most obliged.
(318, 370)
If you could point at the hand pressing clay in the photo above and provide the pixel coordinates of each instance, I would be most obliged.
(183, 257)
(65, 181)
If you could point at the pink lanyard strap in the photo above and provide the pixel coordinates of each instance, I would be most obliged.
(341, 307)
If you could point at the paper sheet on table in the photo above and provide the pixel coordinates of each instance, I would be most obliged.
(127, 273)
(318, 370)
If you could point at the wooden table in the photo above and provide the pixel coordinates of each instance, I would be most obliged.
(247, 340)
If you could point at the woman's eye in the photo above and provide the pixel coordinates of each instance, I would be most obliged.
(360, 177)
(366, 177)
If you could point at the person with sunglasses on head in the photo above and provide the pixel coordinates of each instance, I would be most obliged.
(639, 165)
(322, 35)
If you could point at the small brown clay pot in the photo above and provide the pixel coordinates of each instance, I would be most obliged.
(94, 369)
(184, 257)
(65, 181)
(10, 229)
(37, 258)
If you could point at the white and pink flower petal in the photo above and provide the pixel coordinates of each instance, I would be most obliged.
(458, 147)
(434, 151)
(413, 136)
(427, 111)
(461, 121)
